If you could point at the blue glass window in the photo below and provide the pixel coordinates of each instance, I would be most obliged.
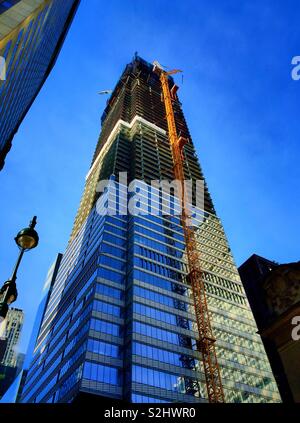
(143, 399)
(159, 298)
(103, 307)
(103, 348)
(112, 262)
(155, 314)
(156, 333)
(105, 327)
(159, 354)
(111, 275)
(159, 379)
(109, 291)
(100, 373)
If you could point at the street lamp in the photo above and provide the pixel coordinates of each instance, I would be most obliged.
(27, 239)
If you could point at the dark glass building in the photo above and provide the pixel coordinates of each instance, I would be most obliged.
(32, 33)
(120, 321)
(253, 273)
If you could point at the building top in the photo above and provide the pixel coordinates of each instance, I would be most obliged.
(261, 265)
(137, 65)
(272, 288)
(18, 310)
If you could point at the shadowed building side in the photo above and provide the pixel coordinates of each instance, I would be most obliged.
(273, 291)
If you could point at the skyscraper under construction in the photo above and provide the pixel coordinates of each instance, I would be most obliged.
(120, 321)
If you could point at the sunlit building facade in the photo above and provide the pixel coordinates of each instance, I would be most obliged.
(120, 320)
(13, 327)
(32, 33)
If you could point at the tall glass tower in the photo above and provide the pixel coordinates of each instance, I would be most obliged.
(32, 33)
(120, 321)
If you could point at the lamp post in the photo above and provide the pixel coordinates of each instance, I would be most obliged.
(27, 239)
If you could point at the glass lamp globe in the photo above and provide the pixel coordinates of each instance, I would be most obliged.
(27, 239)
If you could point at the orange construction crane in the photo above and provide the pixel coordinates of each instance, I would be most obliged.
(206, 341)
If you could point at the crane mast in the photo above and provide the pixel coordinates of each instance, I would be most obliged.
(206, 341)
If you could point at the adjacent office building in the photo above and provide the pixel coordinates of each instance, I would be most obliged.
(14, 325)
(120, 322)
(32, 33)
(11, 359)
(273, 291)
(14, 392)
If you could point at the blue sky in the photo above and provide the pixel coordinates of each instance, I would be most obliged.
(241, 105)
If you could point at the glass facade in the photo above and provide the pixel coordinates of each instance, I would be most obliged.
(120, 321)
(31, 35)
